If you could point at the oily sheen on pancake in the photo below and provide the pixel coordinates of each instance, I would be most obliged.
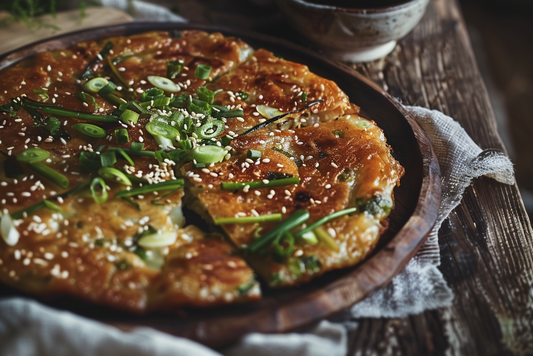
(104, 143)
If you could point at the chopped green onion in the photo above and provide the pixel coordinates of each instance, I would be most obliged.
(133, 203)
(173, 69)
(137, 146)
(210, 129)
(108, 159)
(114, 175)
(309, 237)
(159, 239)
(270, 111)
(200, 107)
(324, 220)
(206, 95)
(296, 219)
(283, 245)
(199, 165)
(50, 174)
(87, 98)
(154, 201)
(259, 183)
(253, 154)
(55, 110)
(96, 84)
(99, 184)
(126, 156)
(325, 238)
(107, 89)
(134, 152)
(152, 94)
(122, 136)
(90, 130)
(33, 155)
(207, 154)
(99, 57)
(158, 128)
(338, 133)
(186, 144)
(303, 96)
(287, 154)
(202, 71)
(52, 125)
(159, 102)
(166, 185)
(89, 161)
(249, 219)
(243, 289)
(52, 206)
(163, 83)
(243, 95)
(129, 116)
(118, 75)
(228, 113)
(42, 94)
(177, 155)
(31, 209)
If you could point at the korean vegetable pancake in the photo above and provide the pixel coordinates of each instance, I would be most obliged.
(172, 169)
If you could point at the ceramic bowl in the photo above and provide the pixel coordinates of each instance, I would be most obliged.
(354, 35)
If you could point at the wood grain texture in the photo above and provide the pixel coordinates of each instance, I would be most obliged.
(486, 244)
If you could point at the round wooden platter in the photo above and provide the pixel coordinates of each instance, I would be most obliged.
(282, 310)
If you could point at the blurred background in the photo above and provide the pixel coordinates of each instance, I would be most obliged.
(501, 32)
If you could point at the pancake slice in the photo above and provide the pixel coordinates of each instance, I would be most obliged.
(265, 79)
(341, 164)
(116, 255)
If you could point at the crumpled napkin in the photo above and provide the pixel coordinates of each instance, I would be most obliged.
(420, 285)
(29, 328)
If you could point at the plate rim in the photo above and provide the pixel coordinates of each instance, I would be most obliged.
(390, 259)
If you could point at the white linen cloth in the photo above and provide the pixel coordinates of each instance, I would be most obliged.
(29, 328)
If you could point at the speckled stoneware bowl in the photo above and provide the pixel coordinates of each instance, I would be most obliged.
(350, 34)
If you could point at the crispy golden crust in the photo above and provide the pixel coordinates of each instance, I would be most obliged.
(94, 251)
(361, 153)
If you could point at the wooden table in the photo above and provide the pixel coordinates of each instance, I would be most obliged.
(486, 243)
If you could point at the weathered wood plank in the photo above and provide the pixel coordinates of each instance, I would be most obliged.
(486, 245)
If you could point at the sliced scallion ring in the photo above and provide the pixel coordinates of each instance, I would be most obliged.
(207, 154)
(94, 85)
(129, 116)
(210, 129)
(114, 175)
(202, 71)
(99, 184)
(268, 111)
(8, 230)
(90, 130)
(158, 128)
(158, 239)
(33, 155)
(163, 83)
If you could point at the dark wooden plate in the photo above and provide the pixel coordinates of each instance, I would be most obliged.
(281, 310)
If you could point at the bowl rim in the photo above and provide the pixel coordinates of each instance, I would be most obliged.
(402, 4)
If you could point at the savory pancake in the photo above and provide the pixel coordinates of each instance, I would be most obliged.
(104, 142)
